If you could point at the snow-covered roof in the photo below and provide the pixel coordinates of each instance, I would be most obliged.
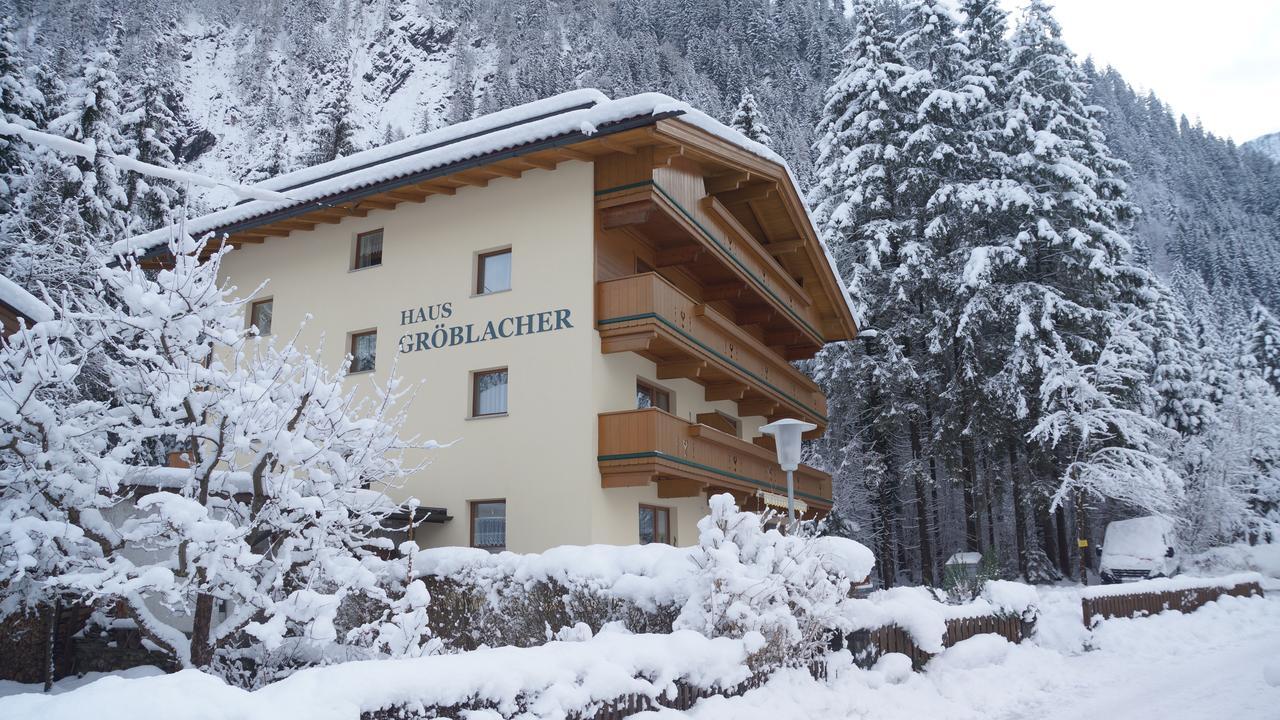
(581, 112)
(23, 302)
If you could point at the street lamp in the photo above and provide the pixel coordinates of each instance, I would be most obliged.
(786, 435)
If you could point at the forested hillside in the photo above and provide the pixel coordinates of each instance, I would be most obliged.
(1065, 288)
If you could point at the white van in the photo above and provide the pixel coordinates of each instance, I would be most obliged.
(1138, 549)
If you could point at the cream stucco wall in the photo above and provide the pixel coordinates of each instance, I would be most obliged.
(541, 456)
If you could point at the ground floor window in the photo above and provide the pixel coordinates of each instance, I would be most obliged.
(655, 524)
(364, 351)
(489, 524)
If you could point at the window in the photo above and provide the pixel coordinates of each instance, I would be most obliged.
(364, 351)
(489, 392)
(493, 272)
(260, 316)
(648, 396)
(655, 524)
(368, 249)
(489, 524)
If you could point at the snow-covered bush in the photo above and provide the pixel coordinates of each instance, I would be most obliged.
(479, 598)
(242, 558)
(791, 589)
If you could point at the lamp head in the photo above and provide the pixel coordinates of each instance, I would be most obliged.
(787, 435)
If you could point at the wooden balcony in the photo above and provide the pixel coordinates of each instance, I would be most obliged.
(686, 459)
(647, 315)
(698, 234)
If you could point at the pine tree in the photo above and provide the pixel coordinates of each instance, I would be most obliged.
(18, 103)
(747, 120)
(92, 116)
(151, 125)
(1263, 349)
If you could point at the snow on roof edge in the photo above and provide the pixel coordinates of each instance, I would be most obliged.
(28, 305)
(532, 122)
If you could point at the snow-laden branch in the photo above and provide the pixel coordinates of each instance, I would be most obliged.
(89, 151)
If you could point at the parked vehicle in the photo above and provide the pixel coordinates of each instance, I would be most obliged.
(1138, 549)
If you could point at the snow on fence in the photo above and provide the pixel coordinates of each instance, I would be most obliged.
(868, 646)
(1148, 597)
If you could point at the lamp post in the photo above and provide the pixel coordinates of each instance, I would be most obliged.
(786, 434)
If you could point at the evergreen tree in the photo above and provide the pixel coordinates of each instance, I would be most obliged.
(747, 120)
(1263, 350)
(92, 116)
(151, 125)
(18, 103)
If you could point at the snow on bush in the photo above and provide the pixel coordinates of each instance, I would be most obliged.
(924, 617)
(277, 515)
(791, 589)
(555, 680)
(1263, 559)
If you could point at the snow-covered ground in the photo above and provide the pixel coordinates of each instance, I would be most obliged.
(1220, 661)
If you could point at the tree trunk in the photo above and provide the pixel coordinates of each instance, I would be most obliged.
(51, 642)
(202, 632)
(922, 507)
(970, 507)
(1019, 510)
(1064, 552)
(1081, 535)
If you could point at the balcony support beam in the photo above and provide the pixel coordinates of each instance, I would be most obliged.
(681, 369)
(625, 479)
(725, 391)
(679, 488)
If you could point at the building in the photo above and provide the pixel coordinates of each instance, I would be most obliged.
(601, 297)
(16, 304)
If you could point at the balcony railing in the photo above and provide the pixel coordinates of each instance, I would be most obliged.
(685, 459)
(650, 316)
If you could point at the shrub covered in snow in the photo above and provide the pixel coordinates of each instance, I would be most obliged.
(243, 558)
(791, 589)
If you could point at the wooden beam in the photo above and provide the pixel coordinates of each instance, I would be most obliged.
(727, 291)
(438, 188)
(623, 215)
(785, 337)
(750, 192)
(379, 204)
(665, 154)
(726, 182)
(471, 178)
(574, 154)
(681, 369)
(678, 256)
(416, 196)
(246, 239)
(725, 391)
(784, 247)
(295, 224)
(763, 407)
(540, 163)
(617, 146)
(624, 479)
(756, 315)
(635, 342)
(504, 170)
(679, 488)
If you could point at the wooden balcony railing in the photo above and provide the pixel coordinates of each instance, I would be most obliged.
(646, 314)
(698, 233)
(685, 459)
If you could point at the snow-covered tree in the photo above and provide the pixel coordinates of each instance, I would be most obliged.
(269, 522)
(152, 125)
(747, 120)
(92, 116)
(18, 102)
(790, 589)
(1263, 349)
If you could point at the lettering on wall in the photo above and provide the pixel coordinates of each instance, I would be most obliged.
(442, 336)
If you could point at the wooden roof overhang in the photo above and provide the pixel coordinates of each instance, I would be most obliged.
(749, 195)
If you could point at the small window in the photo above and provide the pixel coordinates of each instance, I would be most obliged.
(260, 316)
(655, 524)
(493, 272)
(364, 351)
(489, 525)
(489, 393)
(368, 249)
(648, 396)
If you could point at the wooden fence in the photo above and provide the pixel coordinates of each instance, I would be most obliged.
(868, 646)
(1137, 604)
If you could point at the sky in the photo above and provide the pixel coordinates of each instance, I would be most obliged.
(1218, 60)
